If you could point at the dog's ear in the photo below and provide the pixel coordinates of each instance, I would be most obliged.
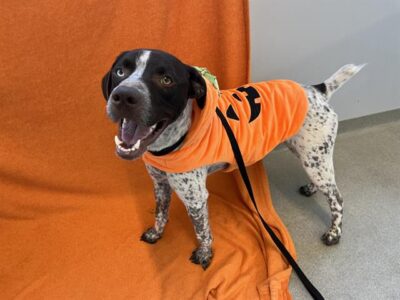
(106, 85)
(197, 87)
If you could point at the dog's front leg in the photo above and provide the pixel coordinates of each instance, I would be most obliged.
(191, 189)
(162, 192)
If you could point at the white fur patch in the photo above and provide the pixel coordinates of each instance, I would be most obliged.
(141, 63)
(135, 80)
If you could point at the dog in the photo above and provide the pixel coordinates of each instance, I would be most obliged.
(152, 96)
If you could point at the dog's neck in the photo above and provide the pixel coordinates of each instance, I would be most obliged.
(174, 131)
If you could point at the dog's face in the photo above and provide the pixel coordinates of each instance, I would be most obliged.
(147, 90)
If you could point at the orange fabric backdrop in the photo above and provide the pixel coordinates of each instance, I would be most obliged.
(71, 212)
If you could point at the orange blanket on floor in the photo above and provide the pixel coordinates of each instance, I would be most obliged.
(71, 212)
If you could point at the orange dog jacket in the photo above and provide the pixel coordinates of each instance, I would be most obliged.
(261, 115)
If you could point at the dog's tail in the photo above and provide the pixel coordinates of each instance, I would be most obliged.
(333, 83)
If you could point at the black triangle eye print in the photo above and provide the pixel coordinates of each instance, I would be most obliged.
(231, 114)
(251, 96)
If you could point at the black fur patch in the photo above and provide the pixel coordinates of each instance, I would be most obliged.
(320, 87)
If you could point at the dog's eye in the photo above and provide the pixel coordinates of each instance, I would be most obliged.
(120, 73)
(166, 80)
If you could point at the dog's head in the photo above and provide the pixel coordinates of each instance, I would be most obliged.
(146, 90)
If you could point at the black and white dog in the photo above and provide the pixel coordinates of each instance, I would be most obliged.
(150, 94)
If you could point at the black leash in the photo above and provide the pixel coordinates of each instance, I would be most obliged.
(242, 168)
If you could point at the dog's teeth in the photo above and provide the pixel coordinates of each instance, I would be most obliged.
(123, 149)
(137, 145)
(117, 140)
(153, 127)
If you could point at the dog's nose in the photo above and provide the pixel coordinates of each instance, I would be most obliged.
(124, 95)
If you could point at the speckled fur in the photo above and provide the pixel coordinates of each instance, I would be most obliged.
(191, 189)
(175, 130)
(162, 193)
(313, 145)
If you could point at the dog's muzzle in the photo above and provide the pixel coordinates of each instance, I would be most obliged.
(133, 139)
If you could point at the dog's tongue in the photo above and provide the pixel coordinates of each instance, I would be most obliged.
(132, 132)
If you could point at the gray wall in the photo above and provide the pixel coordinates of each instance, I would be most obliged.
(308, 40)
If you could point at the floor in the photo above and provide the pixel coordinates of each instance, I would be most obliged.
(366, 262)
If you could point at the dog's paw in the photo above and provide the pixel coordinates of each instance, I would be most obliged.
(150, 236)
(307, 190)
(202, 256)
(331, 237)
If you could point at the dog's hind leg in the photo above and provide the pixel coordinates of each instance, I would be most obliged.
(310, 188)
(323, 179)
(319, 168)
(314, 145)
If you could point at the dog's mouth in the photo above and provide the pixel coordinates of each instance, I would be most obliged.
(133, 139)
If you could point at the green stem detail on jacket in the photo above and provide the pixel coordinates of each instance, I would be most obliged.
(209, 76)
